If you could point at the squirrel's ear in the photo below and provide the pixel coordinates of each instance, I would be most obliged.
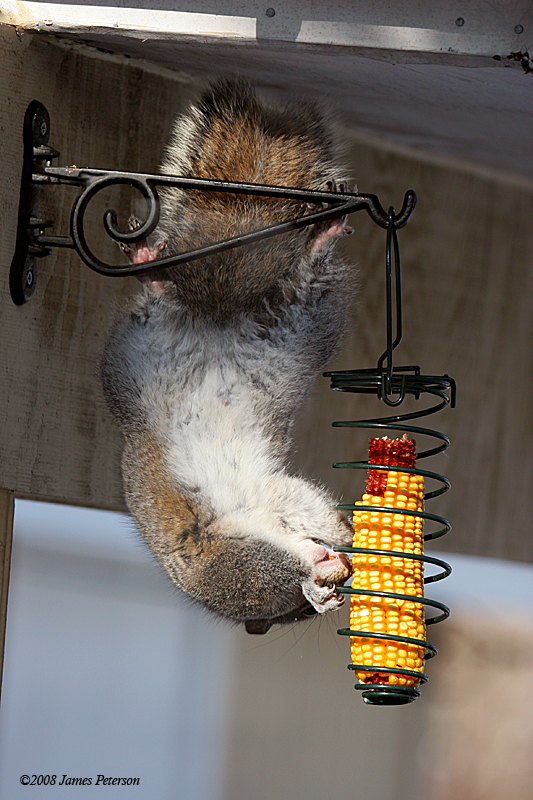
(257, 625)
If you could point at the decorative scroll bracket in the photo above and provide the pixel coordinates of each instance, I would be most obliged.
(33, 242)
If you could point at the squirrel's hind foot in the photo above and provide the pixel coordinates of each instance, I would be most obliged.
(325, 234)
(142, 253)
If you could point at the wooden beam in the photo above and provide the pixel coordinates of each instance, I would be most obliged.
(467, 298)
(7, 506)
(58, 440)
(467, 304)
(414, 27)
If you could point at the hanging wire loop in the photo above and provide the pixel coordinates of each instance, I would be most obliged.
(33, 241)
(385, 364)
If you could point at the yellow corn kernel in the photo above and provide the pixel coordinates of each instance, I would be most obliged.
(395, 532)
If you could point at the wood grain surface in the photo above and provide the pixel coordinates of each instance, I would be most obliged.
(6, 537)
(58, 441)
(468, 291)
(467, 299)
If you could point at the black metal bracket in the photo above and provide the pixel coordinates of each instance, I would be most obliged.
(33, 242)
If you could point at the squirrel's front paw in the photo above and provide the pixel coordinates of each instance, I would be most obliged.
(322, 598)
(328, 569)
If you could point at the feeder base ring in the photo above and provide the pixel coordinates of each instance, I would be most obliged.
(390, 696)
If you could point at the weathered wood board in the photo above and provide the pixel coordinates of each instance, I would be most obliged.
(451, 79)
(6, 538)
(58, 441)
(467, 296)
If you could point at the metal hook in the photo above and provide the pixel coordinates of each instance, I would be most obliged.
(385, 361)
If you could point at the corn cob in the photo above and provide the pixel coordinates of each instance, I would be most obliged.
(388, 531)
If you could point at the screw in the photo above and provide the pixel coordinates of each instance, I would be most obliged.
(270, 12)
(29, 278)
(43, 128)
(519, 29)
(459, 22)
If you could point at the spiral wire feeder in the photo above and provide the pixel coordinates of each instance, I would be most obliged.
(392, 385)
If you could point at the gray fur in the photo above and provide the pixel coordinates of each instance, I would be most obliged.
(207, 369)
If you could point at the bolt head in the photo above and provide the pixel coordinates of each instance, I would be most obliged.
(41, 126)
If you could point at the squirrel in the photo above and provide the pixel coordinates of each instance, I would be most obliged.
(207, 368)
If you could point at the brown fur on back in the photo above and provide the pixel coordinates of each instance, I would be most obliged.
(237, 138)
